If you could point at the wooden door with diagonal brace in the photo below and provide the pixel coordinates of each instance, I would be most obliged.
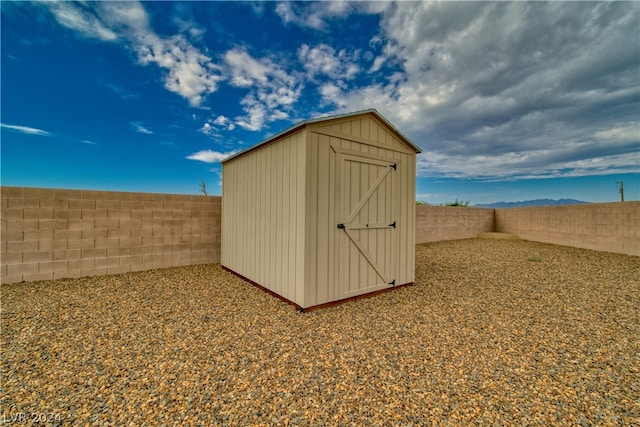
(367, 222)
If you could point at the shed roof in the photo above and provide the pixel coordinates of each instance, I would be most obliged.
(303, 123)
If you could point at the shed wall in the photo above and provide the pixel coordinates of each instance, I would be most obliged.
(334, 267)
(263, 216)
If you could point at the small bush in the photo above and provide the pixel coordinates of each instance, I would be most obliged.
(461, 203)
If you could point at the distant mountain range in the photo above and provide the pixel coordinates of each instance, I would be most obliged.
(537, 202)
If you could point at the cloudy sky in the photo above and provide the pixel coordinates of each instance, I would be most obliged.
(508, 101)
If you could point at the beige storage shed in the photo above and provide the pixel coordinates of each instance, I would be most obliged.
(324, 210)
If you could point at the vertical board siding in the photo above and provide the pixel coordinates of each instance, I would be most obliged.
(260, 216)
(302, 209)
(334, 265)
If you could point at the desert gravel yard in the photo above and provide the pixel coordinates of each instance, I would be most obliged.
(494, 332)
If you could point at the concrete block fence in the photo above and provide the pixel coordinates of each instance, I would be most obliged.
(609, 227)
(52, 233)
(436, 223)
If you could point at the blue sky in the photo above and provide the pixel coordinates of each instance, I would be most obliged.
(508, 101)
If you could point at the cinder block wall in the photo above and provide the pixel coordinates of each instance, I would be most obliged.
(436, 223)
(610, 227)
(52, 233)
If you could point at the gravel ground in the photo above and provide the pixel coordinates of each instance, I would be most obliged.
(494, 332)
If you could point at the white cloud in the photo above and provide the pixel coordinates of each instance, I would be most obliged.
(138, 127)
(323, 60)
(503, 89)
(210, 156)
(221, 121)
(224, 122)
(244, 70)
(312, 14)
(332, 94)
(26, 129)
(377, 63)
(387, 57)
(625, 132)
(256, 114)
(273, 89)
(82, 19)
(213, 127)
(188, 27)
(486, 89)
(39, 132)
(207, 129)
(189, 72)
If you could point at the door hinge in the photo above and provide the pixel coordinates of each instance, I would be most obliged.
(341, 226)
(393, 282)
(394, 166)
(393, 224)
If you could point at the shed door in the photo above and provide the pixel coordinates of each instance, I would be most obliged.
(367, 222)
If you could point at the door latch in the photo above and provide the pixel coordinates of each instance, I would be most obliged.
(393, 224)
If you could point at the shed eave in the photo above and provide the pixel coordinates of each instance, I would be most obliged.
(304, 123)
